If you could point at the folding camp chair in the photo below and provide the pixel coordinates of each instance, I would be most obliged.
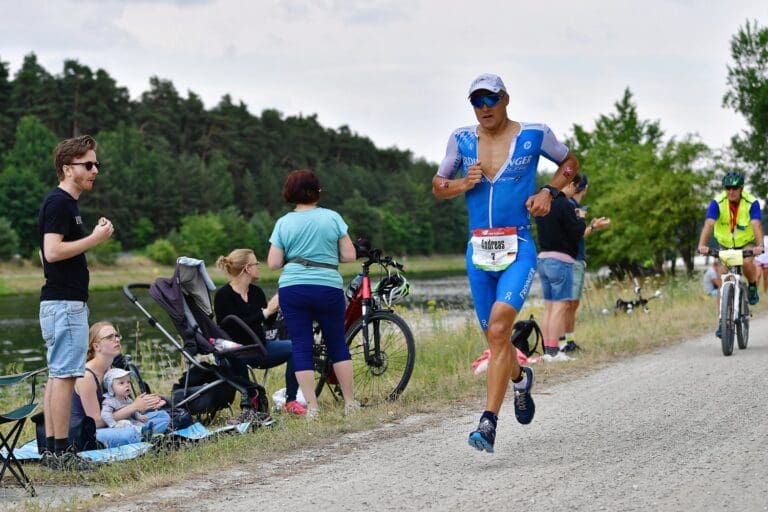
(16, 419)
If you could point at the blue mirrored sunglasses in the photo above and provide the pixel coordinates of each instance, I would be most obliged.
(489, 100)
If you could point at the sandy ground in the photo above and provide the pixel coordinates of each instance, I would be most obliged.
(684, 428)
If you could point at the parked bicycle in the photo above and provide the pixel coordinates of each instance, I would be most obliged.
(380, 341)
(629, 306)
(734, 299)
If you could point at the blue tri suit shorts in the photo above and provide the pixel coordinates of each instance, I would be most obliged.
(510, 286)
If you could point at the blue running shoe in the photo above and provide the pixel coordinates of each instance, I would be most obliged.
(754, 298)
(524, 406)
(484, 437)
(718, 332)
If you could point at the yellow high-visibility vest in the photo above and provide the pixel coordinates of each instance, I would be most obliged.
(742, 232)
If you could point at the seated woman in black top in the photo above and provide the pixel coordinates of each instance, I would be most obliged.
(242, 298)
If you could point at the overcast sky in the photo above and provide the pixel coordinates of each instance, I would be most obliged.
(398, 71)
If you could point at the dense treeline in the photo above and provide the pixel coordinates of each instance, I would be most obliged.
(171, 166)
(180, 178)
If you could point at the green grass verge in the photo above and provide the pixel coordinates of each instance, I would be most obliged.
(24, 277)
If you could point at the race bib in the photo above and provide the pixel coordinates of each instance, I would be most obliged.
(494, 249)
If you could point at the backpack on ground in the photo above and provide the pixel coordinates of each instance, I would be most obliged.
(211, 400)
(82, 436)
(526, 336)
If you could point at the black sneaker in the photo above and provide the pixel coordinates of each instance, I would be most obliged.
(551, 351)
(571, 346)
(524, 406)
(263, 419)
(484, 437)
(147, 432)
(66, 461)
(754, 298)
(257, 419)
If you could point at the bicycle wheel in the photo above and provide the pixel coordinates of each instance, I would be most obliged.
(726, 318)
(742, 325)
(383, 376)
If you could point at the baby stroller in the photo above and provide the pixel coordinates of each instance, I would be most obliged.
(204, 389)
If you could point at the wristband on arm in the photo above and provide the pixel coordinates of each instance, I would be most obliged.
(552, 190)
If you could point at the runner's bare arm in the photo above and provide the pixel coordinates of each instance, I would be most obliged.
(445, 188)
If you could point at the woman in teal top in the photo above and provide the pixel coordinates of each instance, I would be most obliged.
(308, 243)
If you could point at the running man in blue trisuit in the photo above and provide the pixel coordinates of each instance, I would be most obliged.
(493, 164)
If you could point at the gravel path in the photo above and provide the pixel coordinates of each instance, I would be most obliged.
(684, 428)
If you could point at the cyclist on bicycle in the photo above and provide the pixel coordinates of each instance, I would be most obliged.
(734, 216)
(493, 165)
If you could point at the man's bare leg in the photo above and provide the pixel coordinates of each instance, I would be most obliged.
(47, 408)
(59, 406)
(554, 324)
(750, 272)
(570, 320)
(502, 366)
(503, 363)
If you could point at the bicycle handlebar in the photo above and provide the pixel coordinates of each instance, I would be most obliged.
(715, 253)
(375, 256)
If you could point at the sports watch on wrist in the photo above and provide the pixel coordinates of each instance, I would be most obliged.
(552, 190)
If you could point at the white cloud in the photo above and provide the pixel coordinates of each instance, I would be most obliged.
(397, 71)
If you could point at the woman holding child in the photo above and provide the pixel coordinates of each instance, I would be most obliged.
(103, 348)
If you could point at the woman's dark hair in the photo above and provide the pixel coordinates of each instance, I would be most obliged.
(301, 187)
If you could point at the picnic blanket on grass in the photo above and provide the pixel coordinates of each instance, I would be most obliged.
(195, 432)
(29, 452)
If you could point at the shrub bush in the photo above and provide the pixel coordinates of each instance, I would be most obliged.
(162, 251)
(9, 240)
(202, 236)
(143, 231)
(106, 252)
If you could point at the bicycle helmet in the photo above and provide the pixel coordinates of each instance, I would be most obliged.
(393, 288)
(733, 179)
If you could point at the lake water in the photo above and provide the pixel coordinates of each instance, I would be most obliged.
(20, 339)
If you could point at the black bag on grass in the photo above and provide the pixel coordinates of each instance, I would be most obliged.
(180, 418)
(522, 333)
(81, 436)
(213, 400)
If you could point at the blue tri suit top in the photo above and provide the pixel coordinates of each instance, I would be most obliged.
(500, 202)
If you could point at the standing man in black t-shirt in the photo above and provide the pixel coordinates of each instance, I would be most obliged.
(63, 309)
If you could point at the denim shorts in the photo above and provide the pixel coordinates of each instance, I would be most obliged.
(556, 279)
(64, 324)
(579, 268)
